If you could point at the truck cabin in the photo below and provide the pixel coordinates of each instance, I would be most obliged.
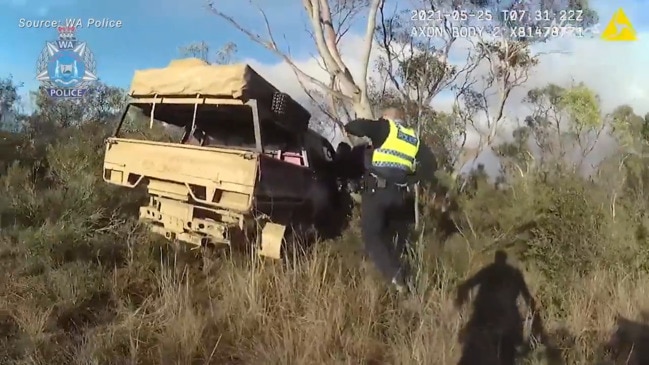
(238, 126)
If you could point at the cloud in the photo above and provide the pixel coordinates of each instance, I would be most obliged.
(282, 76)
(615, 70)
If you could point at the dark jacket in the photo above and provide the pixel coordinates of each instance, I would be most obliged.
(378, 130)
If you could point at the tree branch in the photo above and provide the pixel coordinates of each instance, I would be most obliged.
(272, 46)
(330, 34)
(313, 8)
(369, 40)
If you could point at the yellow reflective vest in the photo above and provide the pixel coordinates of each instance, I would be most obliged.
(399, 149)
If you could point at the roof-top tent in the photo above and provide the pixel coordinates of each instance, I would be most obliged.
(174, 93)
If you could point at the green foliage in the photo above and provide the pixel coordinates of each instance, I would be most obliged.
(203, 51)
(9, 99)
(576, 108)
(569, 233)
(13, 147)
(583, 107)
(53, 201)
(558, 224)
(8, 93)
(514, 55)
(626, 126)
(515, 156)
(425, 70)
(101, 105)
(565, 122)
(631, 163)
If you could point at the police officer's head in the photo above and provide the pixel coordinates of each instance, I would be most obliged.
(395, 114)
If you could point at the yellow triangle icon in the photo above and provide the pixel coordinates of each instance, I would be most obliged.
(619, 29)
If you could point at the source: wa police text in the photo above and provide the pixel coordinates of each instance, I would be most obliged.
(71, 22)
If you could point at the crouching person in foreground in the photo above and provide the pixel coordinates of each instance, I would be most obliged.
(398, 163)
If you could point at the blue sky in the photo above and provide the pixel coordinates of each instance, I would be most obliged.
(153, 30)
(151, 34)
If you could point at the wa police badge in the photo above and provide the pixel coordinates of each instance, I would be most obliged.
(66, 67)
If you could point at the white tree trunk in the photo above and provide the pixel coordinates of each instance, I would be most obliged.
(352, 90)
(362, 107)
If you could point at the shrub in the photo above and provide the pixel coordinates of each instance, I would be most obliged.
(89, 285)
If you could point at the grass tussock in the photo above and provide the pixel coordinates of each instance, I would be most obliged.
(84, 283)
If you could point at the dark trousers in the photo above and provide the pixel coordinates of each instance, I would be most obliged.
(384, 216)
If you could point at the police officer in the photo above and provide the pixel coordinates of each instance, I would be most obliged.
(397, 151)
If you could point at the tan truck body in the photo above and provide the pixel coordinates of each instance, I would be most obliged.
(206, 194)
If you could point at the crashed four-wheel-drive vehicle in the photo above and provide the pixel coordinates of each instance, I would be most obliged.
(247, 169)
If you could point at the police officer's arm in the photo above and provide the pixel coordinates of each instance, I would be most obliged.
(376, 130)
(359, 127)
(426, 165)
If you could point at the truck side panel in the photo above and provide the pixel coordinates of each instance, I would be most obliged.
(221, 178)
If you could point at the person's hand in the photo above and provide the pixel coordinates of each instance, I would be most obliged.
(354, 186)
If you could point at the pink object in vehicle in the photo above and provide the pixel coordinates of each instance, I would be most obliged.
(291, 157)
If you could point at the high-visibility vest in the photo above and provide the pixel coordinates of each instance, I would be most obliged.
(399, 149)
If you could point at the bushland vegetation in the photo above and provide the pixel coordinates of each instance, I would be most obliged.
(85, 283)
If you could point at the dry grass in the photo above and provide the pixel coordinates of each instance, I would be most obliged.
(160, 308)
(83, 284)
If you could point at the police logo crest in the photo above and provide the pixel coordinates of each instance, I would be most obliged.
(66, 67)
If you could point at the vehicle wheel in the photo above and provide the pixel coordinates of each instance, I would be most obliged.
(343, 149)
